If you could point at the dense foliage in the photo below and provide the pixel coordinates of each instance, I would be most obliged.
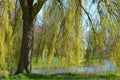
(64, 33)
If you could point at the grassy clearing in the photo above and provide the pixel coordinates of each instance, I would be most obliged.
(56, 63)
(43, 63)
(67, 76)
(94, 62)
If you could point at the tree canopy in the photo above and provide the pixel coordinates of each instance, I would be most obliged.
(69, 31)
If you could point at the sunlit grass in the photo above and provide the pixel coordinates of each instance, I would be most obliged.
(43, 63)
(94, 62)
(56, 63)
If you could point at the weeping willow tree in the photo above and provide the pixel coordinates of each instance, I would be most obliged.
(17, 33)
(116, 45)
(6, 38)
(109, 24)
(64, 32)
(103, 37)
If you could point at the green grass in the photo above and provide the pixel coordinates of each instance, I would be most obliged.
(43, 63)
(56, 63)
(65, 76)
(94, 62)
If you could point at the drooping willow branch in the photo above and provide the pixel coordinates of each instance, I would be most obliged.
(88, 17)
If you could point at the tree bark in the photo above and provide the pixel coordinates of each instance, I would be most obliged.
(29, 13)
(27, 42)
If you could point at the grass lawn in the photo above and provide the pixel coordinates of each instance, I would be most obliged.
(43, 63)
(67, 76)
(94, 62)
(56, 63)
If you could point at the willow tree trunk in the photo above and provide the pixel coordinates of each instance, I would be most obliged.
(30, 10)
(27, 42)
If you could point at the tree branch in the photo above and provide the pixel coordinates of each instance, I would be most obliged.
(88, 18)
(38, 6)
(30, 2)
(23, 3)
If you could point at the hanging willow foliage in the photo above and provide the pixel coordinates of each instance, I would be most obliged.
(116, 51)
(3, 71)
(110, 19)
(6, 38)
(64, 32)
(79, 34)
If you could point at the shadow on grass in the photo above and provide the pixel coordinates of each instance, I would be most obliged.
(70, 76)
(63, 76)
